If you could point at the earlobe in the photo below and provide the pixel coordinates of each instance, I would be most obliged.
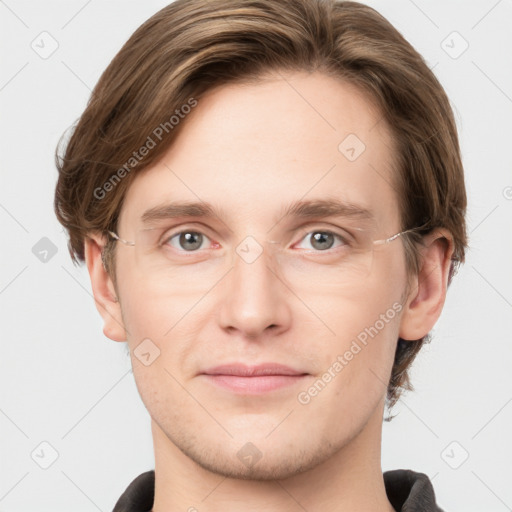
(103, 290)
(428, 289)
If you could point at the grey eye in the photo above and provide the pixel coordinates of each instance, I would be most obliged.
(188, 240)
(322, 240)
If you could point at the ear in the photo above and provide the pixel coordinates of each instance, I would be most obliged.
(428, 288)
(103, 290)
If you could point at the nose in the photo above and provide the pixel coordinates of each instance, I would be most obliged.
(254, 298)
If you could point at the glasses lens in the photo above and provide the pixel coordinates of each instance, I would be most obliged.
(327, 256)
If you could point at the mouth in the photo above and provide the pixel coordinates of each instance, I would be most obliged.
(244, 379)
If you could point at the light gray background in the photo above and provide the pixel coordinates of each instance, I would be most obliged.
(63, 383)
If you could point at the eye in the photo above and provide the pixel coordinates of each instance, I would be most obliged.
(323, 240)
(186, 240)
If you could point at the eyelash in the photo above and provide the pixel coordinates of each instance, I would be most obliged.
(344, 240)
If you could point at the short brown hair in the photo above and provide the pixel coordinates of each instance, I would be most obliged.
(191, 46)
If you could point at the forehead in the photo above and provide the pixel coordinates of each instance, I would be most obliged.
(250, 148)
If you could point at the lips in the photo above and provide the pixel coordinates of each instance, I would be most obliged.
(242, 370)
(244, 379)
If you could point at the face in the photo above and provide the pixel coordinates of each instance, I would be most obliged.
(250, 285)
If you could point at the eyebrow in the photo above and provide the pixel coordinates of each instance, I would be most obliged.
(178, 209)
(299, 209)
(326, 208)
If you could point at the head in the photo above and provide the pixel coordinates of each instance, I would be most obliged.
(247, 108)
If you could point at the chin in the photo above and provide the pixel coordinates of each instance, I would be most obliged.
(260, 460)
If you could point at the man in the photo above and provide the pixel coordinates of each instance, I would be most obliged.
(270, 201)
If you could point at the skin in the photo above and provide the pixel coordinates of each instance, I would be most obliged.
(250, 150)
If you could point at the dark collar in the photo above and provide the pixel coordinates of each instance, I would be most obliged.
(407, 491)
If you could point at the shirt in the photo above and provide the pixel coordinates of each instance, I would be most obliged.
(407, 491)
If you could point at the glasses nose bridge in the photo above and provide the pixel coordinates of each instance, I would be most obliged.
(251, 250)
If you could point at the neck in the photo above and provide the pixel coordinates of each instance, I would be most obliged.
(350, 480)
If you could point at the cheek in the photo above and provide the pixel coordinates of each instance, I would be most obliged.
(153, 306)
(368, 340)
(161, 340)
(355, 377)
(366, 323)
(164, 396)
